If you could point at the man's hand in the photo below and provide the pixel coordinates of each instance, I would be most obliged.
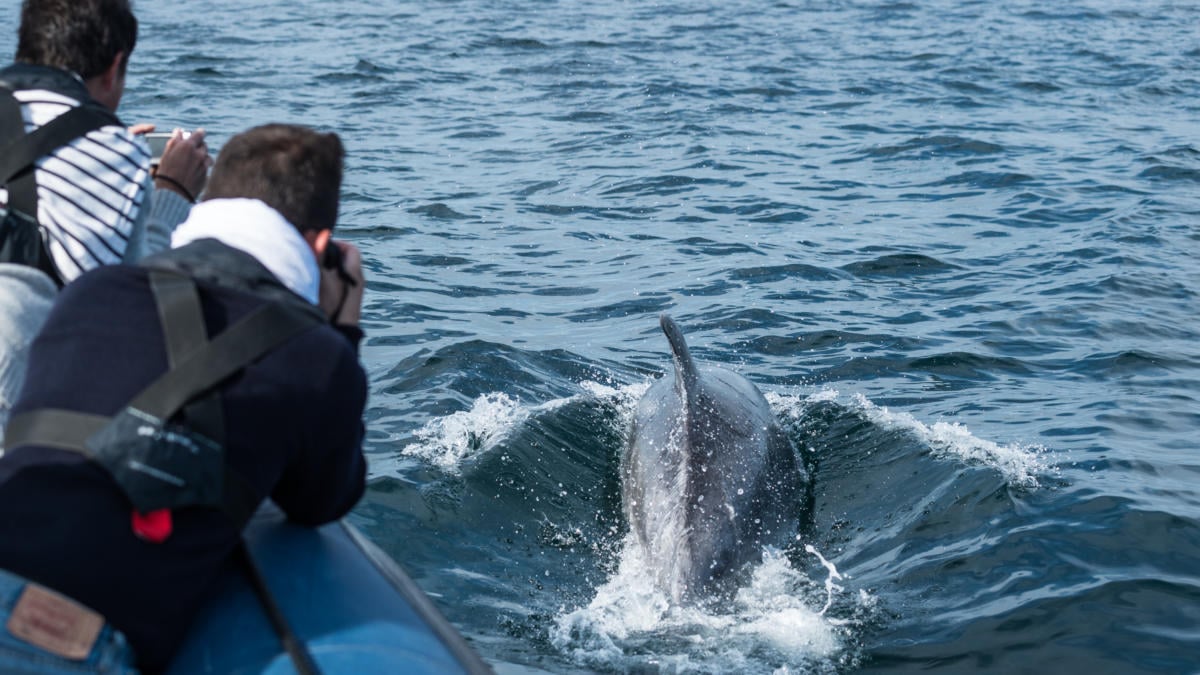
(341, 300)
(184, 165)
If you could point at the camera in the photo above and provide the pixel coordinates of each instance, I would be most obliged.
(333, 257)
(334, 260)
(157, 140)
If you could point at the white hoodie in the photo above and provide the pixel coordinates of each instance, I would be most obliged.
(251, 226)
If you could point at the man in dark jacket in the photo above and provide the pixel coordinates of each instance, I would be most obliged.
(115, 564)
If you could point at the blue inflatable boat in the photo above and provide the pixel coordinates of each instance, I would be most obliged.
(344, 599)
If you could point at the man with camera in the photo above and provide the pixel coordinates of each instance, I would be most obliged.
(75, 184)
(166, 401)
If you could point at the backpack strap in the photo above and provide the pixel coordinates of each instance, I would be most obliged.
(184, 331)
(20, 154)
(20, 238)
(266, 327)
(182, 319)
(197, 365)
(12, 131)
(53, 428)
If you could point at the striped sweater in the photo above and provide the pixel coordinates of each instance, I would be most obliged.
(97, 206)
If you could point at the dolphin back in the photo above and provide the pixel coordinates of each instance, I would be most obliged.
(686, 374)
(709, 478)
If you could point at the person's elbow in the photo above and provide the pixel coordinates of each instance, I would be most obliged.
(327, 502)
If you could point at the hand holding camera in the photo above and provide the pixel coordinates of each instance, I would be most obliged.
(342, 284)
(180, 161)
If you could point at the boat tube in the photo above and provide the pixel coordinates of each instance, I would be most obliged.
(344, 599)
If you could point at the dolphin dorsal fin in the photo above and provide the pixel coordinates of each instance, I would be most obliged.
(685, 368)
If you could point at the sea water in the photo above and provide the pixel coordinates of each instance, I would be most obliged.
(953, 242)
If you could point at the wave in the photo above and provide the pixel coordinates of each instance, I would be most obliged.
(541, 480)
(1020, 464)
(782, 618)
(449, 441)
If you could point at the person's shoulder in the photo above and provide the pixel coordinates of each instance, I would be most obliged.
(112, 137)
(44, 106)
(326, 353)
(108, 155)
(119, 140)
(317, 370)
(331, 340)
(102, 280)
(109, 273)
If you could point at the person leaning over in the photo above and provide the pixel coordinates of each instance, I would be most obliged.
(81, 195)
(166, 401)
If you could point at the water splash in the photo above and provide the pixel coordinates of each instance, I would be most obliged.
(1020, 464)
(625, 396)
(831, 586)
(770, 625)
(447, 441)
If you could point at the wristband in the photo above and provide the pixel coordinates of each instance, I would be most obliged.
(186, 195)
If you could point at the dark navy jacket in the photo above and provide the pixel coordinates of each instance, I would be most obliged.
(293, 424)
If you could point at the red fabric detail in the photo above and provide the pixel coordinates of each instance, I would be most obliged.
(154, 526)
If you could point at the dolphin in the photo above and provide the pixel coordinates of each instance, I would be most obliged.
(708, 476)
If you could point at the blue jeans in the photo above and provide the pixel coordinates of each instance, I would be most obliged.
(111, 654)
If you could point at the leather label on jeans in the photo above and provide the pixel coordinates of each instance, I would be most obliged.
(55, 623)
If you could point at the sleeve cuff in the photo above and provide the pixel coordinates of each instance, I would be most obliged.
(167, 210)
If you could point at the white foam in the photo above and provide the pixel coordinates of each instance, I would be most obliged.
(770, 623)
(791, 409)
(776, 614)
(447, 441)
(831, 586)
(1020, 464)
(626, 394)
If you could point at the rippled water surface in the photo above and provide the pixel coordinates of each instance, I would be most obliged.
(953, 242)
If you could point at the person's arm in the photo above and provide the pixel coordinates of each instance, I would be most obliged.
(183, 167)
(325, 481)
(26, 295)
(161, 213)
(342, 290)
(170, 193)
(327, 477)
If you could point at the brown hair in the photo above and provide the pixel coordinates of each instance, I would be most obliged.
(293, 169)
(83, 36)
